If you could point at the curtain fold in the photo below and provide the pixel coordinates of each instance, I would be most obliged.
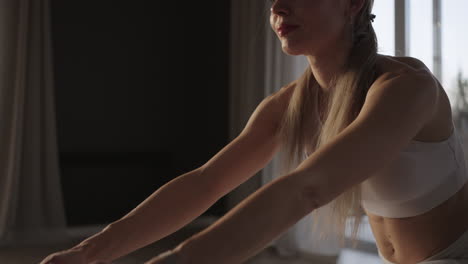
(31, 203)
(245, 78)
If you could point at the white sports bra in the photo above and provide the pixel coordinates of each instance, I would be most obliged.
(422, 177)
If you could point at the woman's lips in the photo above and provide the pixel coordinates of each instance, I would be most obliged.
(284, 30)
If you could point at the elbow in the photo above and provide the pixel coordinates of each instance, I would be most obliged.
(311, 198)
(312, 194)
(317, 188)
(318, 196)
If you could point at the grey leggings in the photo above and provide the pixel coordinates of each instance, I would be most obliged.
(456, 253)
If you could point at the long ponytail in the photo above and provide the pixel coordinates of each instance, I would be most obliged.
(345, 101)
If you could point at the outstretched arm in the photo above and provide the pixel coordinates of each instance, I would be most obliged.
(380, 133)
(168, 209)
(250, 226)
(183, 199)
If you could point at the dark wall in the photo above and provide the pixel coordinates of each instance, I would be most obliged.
(141, 96)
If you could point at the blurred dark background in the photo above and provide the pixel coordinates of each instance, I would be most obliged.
(142, 97)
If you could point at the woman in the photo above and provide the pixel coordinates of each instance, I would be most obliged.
(379, 133)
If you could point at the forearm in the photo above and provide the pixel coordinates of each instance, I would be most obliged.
(250, 226)
(168, 209)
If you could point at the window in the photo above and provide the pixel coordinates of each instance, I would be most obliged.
(455, 55)
(420, 35)
(384, 26)
(436, 38)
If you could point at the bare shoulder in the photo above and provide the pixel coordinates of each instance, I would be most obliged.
(408, 82)
(417, 76)
(276, 104)
(280, 98)
(404, 65)
(405, 81)
(407, 69)
(413, 62)
(283, 95)
(265, 120)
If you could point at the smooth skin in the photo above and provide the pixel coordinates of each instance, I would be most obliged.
(400, 240)
(395, 112)
(413, 239)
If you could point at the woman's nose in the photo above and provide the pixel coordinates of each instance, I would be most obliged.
(279, 8)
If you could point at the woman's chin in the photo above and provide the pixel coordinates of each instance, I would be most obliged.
(292, 47)
(291, 51)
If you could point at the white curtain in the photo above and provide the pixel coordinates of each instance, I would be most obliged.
(258, 68)
(31, 207)
(247, 65)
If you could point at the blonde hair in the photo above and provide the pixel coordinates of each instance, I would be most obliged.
(344, 104)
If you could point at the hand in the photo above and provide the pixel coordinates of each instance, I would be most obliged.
(69, 256)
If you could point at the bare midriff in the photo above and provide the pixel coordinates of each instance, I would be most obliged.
(413, 239)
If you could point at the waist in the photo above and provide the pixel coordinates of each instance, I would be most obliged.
(413, 239)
